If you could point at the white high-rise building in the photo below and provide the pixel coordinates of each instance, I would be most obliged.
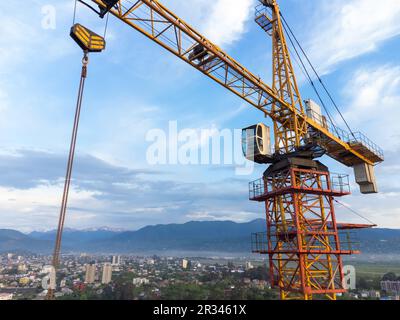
(185, 264)
(90, 273)
(249, 265)
(107, 273)
(116, 260)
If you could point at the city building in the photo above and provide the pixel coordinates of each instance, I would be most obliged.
(185, 264)
(391, 287)
(140, 281)
(249, 265)
(6, 296)
(90, 273)
(116, 260)
(374, 294)
(107, 273)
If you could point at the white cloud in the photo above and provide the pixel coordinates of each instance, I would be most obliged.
(224, 215)
(222, 21)
(226, 22)
(373, 96)
(373, 99)
(38, 207)
(3, 100)
(350, 28)
(381, 209)
(121, 141)
(23, 39)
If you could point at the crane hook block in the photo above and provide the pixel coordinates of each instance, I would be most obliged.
(86, 39)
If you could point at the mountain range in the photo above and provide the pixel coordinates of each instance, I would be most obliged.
(194, 236)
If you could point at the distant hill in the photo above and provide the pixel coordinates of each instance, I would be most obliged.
(226, 236)
(195, 236)
(74, 238)
(217, 236)
(379, 241)
(11, 240)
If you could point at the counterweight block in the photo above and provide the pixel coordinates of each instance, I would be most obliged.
(87, 39)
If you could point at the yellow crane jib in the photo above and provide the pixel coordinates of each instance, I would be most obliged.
(87, 39)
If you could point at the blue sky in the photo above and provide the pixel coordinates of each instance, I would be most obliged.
(136, 86)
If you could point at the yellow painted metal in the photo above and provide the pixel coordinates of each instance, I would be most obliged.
(317, 271)
(86, 39)
(159, 24)
(292, 128)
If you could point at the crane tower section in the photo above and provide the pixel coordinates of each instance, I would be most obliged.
(302, 241)
(291, 129)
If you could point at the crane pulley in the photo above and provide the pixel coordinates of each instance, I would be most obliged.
(87, 39)
(103, 10)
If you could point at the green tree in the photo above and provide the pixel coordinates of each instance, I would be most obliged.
(184, 292)
(390, 276)
(362, 283)
(123, 291)
(108, 293)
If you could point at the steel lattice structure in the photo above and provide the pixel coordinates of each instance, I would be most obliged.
(302, 239)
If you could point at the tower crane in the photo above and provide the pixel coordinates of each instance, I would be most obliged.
(303, 239)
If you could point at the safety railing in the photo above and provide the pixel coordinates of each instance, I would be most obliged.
(358, 137)
(257, 188)
(351, 138)
(261, 9)
(339, 183)
(348, 241)
(259, 242)
(263, 17)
